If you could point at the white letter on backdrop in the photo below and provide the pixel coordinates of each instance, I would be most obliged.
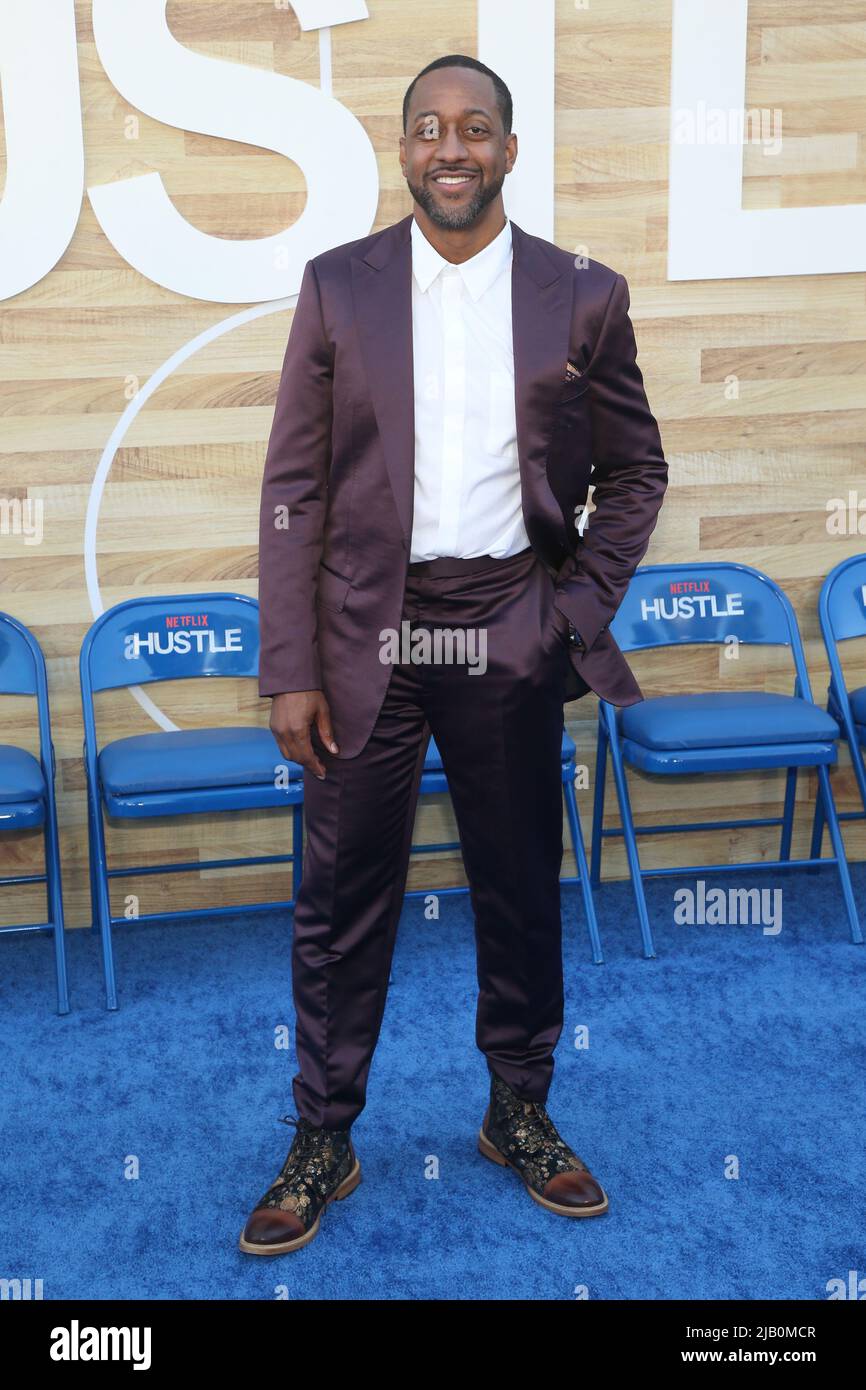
(711, 236)
(44, 150)
(518, 41)
(172, 84)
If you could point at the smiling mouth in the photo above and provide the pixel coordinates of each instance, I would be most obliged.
(451, 181)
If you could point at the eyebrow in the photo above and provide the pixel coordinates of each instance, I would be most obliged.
(472, 111)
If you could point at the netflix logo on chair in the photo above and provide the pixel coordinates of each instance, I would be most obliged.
(182, 633)
(692, 598)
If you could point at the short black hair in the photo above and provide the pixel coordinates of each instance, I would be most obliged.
(461, 60)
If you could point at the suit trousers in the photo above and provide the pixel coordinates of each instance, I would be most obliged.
(497, 717)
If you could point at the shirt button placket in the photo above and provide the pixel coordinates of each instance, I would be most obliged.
(454, 408)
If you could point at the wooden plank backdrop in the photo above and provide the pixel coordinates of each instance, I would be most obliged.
(751, 472)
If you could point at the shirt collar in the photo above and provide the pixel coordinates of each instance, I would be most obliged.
(478, 273)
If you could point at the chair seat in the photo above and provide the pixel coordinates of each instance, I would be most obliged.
(191, 759)
(725, 719)
(20, 775)
(433, 758)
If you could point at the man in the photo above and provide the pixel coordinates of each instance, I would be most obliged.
(451, 386)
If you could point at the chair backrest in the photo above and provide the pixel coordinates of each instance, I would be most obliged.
(22, 672)
(19, 658)
(842, 602)
(712, 601)
(842, 614)
(171, 637)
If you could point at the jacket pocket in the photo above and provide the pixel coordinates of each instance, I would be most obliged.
(332, 589)
(572, 390)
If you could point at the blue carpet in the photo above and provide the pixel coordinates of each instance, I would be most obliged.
(730, 1043)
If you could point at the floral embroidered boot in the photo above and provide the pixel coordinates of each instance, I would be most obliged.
(321, 1167)
(520, 1134)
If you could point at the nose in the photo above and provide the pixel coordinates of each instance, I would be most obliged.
(451, 146)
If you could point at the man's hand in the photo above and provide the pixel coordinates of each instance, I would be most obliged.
(292, 715)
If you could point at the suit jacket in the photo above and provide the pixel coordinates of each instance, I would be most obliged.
(338, 487)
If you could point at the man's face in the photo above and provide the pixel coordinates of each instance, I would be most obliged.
(455, 153)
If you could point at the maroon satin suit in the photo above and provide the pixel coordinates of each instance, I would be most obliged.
(335, 530)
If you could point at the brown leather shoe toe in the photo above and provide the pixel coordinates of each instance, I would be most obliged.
(576, 1189)
(270, 1226)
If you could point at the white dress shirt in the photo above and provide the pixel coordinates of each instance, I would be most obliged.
(467, 474)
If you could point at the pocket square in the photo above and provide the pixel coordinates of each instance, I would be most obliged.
(572, 371)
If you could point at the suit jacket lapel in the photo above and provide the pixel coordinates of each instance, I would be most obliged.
(541, 317)
(541, 308)
(382, 284)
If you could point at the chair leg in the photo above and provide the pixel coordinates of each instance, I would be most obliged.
(54, 895)
(103, 899)
(94, 887)
(583, 870)
(817, 827)
(631, 844)
(598, 804)
(788, 813)
(826, 794)
(855, 752)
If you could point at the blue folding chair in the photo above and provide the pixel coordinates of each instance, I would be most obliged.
(842, 614)
(433, 779)
(27, 786)
(734, 731)
(178, 772)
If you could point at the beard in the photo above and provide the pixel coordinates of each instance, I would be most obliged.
(456, 218)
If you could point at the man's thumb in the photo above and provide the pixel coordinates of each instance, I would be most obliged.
(326, 733)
